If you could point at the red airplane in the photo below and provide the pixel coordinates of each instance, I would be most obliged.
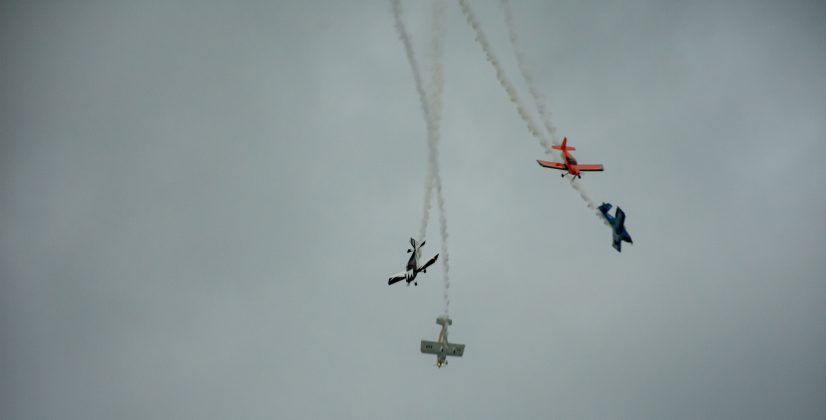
(570, 164)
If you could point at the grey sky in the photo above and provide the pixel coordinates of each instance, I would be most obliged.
(200, 203)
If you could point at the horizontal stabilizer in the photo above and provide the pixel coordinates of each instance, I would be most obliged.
(564, 145)
(441, 320)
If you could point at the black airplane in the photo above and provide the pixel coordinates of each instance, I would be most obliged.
(413, 266)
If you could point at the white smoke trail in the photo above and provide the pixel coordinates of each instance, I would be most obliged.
(500, 74)
(434, 106)
(435, 98)
(436, 55)
(538, 98)
(417, 78)
(431, 109)
(445, 255)
(429, 183)
(575, 183)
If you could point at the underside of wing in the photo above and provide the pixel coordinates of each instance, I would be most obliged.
(428, 263)
(617, 242)
(431, 347)
(620, 217)
(552, 165)
(592, 168)
(448, 349)
(395, 278)
(454, 349)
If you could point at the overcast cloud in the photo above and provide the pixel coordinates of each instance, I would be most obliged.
(200, 203)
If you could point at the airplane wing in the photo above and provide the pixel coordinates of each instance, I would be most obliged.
(587, 168)
(449, 349)
(455, 349)
(431, 347)
(428, 264)
(618, 243)
(395, 278)
(552, 165)
(620, 217)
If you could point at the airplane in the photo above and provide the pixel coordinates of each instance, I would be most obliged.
(413, 266)
(617, 225)
(570, 164)
(441, 348)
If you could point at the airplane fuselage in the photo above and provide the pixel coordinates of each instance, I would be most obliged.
(441, 358)
(413, 265)
(571, 164)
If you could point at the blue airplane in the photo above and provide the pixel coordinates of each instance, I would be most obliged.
(617, 225)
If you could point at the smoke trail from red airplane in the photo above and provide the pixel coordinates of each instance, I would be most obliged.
(500, 75)
(538, 98)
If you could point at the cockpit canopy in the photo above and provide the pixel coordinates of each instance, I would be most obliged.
(570, 159)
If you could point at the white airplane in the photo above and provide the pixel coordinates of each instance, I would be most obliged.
(441, 348)
(413, 267)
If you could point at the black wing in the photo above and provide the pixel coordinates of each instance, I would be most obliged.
(620, 216)
(397, 278)
(428, 264)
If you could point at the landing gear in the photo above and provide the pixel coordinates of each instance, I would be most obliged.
(416, 283)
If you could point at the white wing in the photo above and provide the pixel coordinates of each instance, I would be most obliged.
(447, 349)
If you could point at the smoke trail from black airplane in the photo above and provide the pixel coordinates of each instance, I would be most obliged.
(431, 106)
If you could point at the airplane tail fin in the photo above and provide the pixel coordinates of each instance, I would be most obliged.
(415, 244)
(564, 146)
